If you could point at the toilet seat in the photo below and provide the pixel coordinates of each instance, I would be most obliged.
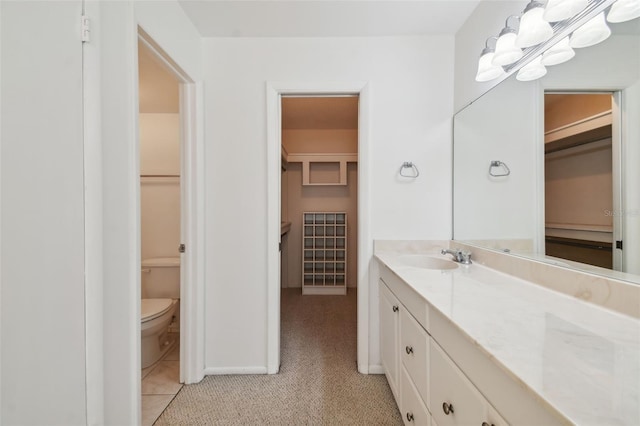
(153, 308)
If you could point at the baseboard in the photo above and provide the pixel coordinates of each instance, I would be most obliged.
(219, 371)
(376, 369)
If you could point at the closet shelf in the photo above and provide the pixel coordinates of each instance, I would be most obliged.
(589, 129)
(309, 160)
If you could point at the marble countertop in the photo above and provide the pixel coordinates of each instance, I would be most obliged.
(581, 359)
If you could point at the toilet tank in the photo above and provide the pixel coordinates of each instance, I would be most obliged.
(161, 278)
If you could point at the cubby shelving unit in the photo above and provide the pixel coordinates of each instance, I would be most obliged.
(324, 248)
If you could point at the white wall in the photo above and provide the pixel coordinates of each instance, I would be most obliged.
(43, 312)
(411, 91)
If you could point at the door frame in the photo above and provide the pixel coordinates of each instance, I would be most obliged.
(191, 217)
(274, 93)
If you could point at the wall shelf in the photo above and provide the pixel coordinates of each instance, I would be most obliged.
(323, 173)
(324, 248)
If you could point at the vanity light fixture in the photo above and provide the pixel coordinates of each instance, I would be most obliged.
(486, 70)
(532, 71)
(624, 10)
(558, 53)
(559, 10)
(506, 50)
(533, 28)
(547, 36)
(593, 32)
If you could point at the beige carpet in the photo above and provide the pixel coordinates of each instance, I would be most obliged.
(318, 383)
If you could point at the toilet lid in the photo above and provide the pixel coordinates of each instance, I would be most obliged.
(152, 308)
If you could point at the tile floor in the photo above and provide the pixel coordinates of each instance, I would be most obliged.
(160, 384)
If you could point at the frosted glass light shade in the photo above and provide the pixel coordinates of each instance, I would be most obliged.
(506, 50)
(532, 71)
(624, 10)
(533, 29)
(559, 10)
(558, 53)
(593, 32)
(486, 70)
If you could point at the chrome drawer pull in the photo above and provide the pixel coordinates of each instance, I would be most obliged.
(447, 408)
(410, 417)
(487, 424)
(409, 350)
(395, 308)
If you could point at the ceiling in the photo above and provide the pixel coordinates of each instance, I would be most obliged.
(327, 18)
(337, 112)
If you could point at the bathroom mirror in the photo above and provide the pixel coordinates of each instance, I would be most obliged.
(508, 183)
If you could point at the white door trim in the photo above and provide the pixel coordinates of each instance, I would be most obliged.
(191, 216)
(93, 226)
(274, 91)
(617, 148)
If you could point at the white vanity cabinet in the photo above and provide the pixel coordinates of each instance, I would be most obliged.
(389, 336)
(414, 352)
(412, 406)
(453, 399)
(428, 386)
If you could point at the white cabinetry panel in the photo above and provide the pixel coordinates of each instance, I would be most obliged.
(412, 408)
(454, 400)
(414, 351)
(389, 323)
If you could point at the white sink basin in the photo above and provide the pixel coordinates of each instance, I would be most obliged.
(426, 262)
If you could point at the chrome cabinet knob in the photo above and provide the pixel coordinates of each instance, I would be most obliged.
(447, 408)
(409, 350)
(395, 308)
(409, 417)
(487, 424)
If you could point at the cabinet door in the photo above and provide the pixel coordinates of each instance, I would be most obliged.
(389, 324)
(412, 408)
(414, 352)
(454, 400)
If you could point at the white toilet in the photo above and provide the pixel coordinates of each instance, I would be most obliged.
(160, 297)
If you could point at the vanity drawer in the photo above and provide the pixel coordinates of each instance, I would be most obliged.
(454, 399)
(412, 410)
(414, 352)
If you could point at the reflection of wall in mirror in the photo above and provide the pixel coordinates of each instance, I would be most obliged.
(500, 126)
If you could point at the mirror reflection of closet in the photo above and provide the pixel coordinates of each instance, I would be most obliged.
(579, 178)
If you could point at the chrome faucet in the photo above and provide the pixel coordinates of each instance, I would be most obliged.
(459, 256)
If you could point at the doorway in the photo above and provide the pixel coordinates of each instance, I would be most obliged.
(275, 92)
(185, 181)
(319, 197)
(160, 231)
(582, 178)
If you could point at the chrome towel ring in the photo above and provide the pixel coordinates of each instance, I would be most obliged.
(499, 164)
(414, 173)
